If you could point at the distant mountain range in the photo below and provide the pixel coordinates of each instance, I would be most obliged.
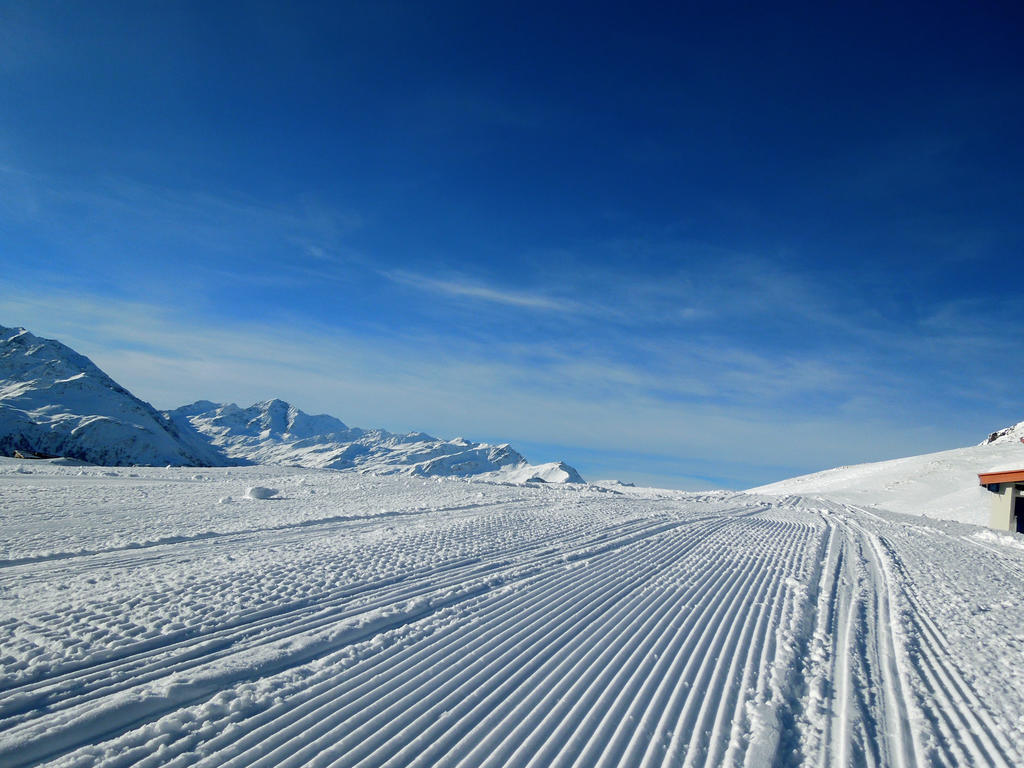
(275, 432)
(56, 402)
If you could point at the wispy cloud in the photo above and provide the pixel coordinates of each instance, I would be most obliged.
(691, 402)
(733, 358)
(469, 289)
(115, 215)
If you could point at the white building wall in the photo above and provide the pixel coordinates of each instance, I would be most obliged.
(1002, 508)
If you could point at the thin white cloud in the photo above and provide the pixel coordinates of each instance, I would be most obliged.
(564, 398)
(462, 288)
(125, 213)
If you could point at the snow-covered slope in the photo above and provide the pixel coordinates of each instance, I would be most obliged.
(275, 432)
(56, 401)
(552, 472)
(353, 620)
(939, 485)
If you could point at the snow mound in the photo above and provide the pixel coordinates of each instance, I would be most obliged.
(552, 472)
(261, 492)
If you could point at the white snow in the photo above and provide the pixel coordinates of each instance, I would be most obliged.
(372, 620)
(553, 472)
(1014, 434)
(260, 492)
(940, 485)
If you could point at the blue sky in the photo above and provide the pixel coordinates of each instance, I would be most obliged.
(707, 247)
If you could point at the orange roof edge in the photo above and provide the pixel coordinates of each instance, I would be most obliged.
(989, 478)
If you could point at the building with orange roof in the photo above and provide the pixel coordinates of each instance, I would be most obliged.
(1007, 487)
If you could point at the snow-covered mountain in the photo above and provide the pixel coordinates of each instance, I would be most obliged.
(941, 485)
(276, 432)
(1014, 434)
(552, 472)
(56, 401)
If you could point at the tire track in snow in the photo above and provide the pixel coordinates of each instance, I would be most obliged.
(612, 632)
(203, 536)
(515, 631)
(652, 641)
(831, 652)
(199, 649)
(969, 734)
(526, 683)
(526, 649)
(258, 627)
(728, 723)
(872, 644)
(319, 707)
(855, 709)
(302, 624)
(542, 730)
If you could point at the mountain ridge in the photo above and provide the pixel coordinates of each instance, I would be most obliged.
(55, 401)
(276, 432)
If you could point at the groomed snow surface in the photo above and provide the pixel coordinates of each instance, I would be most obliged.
(939, 485)
(163, 617)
